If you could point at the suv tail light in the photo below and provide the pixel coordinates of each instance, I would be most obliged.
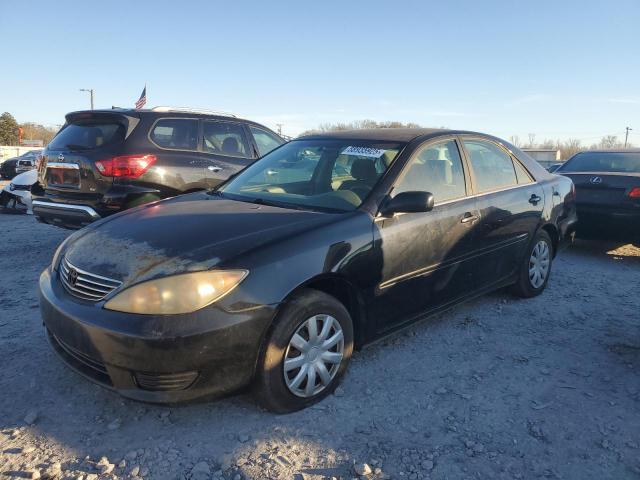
(635, 192)
(126, 166)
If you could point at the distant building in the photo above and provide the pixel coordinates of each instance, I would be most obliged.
(544, 156)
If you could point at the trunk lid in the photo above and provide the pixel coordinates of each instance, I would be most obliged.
(603, 188)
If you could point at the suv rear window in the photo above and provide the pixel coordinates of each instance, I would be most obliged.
(88, 135)
(176, 133)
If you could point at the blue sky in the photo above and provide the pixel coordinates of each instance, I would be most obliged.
(558, 69)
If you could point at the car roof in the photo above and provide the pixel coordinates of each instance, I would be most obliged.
(612, 150)
(381, 134)
(168, 113)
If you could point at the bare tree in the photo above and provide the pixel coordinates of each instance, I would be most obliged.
(515, 140)
(532, 140)
(359, 124)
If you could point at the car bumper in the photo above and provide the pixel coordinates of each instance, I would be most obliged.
(609, 217)
(160, 359)
(68, 211)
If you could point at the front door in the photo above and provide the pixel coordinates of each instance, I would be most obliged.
(426, 256)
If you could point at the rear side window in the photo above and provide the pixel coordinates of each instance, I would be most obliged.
(176, 133)
(492, 166)
(88, 135)
(265, 140)
(522, 174)
(225, 138)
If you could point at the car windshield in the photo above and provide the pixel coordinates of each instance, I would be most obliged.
(87, 135)
(326, 174)
(615, 162)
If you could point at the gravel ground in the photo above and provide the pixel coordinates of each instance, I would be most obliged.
(498, 388)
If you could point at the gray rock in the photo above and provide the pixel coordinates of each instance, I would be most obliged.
(362, 469)
(243, 437)
(200, 471)
(31, 417)
(427, 464)
(134, 471)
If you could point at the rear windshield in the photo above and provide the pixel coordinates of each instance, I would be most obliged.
(88, 135)
(603, 162)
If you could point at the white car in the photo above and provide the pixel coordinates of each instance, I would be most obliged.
(16, 196)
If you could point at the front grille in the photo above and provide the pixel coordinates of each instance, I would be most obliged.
(85, 285)
(21, 187)
(165, 381)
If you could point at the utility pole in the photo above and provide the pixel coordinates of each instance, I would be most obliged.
(626, 137)
(90, 90)
(279, 125)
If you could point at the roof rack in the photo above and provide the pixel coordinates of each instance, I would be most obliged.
(193, 110)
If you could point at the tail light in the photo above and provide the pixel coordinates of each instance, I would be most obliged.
(635, 192)
(126, 166)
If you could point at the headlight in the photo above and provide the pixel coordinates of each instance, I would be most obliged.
(177, 294)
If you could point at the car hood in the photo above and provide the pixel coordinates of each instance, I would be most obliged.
(188, 233)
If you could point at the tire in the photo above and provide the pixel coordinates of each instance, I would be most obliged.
(276, 389)
(528, 284)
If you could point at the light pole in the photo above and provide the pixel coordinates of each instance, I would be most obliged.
(626, 137)
(90, 90)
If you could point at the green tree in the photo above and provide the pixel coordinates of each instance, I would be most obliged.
(8, 129)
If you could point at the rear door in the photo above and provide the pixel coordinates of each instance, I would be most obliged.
(226, 149)
(510, 204)
(179, 166)
(67, 171)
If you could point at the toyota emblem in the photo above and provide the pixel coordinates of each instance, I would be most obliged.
(61, 158)
(72, 276)
(596, 180)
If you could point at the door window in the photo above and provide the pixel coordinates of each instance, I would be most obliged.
(225, 138)
(435, 168)
(176, 133)
(265, 140)
(492, 167)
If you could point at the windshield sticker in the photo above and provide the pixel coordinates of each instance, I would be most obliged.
(363, 152)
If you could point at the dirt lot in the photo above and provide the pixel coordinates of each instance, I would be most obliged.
(498, 388)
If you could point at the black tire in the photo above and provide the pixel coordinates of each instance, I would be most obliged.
(524, 287)
(270, 389)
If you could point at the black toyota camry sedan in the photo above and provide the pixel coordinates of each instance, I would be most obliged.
(607, 191)
(322, 246)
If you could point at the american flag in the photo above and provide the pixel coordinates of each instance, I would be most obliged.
(142, 100)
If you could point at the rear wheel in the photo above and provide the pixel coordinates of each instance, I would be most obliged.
(536, 267)
(306, 354)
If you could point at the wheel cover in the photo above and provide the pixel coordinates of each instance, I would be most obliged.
(313, 356)
(539, 264)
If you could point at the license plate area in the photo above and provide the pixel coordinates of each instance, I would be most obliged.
(63, 175)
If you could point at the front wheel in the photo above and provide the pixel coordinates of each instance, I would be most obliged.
(306, 353)
(536, 267)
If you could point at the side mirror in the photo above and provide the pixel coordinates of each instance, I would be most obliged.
(408, 202)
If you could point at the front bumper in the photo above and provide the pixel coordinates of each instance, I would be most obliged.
(160, 359)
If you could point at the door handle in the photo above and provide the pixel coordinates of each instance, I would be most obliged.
(214, 168)
(534, 199)
(469, 217)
